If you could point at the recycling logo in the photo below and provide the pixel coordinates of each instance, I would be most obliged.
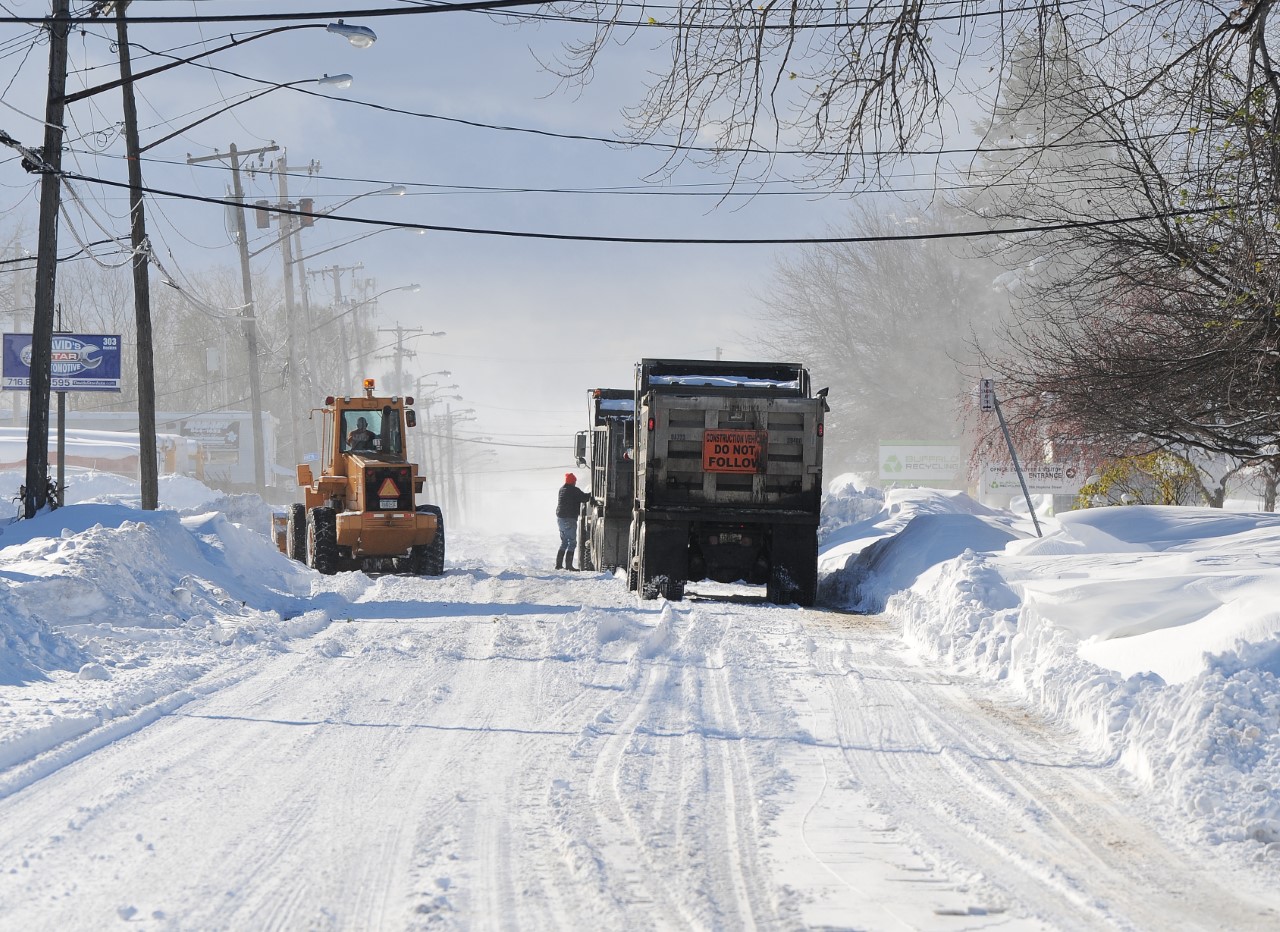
(892, 464)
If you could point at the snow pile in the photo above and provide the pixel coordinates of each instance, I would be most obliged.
(849, 501)
(1155, 632)
(183, 494)
(866, 561)
(106, 609)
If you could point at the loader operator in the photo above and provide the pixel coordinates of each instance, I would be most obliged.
(361, 438)
(567, 503)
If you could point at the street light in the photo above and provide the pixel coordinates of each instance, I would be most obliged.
(344, 243)
(356, 307)
(342, 332)
(395, 190)
(360, 37)
(338, 81)
(49, 165)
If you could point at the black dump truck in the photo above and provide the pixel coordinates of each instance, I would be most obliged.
(728, 477)
(605, 450)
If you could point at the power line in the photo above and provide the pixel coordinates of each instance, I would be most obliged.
(475, 5)
(692, 241)
(1060, 143)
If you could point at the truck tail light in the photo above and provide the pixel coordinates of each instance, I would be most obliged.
(822, 430)
(652, 423)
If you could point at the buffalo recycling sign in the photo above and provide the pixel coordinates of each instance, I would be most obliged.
(79, 362)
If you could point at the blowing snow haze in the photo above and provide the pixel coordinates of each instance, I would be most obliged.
(456, 109)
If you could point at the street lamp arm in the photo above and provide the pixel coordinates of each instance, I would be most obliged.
(334, 81)
(364, 303)
(359, 36)
(321, 252)
(397, 190)
(120, 82)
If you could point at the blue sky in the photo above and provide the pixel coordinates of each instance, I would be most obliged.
(531, 325)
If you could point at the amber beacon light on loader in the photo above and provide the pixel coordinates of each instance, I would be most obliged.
(360, 510)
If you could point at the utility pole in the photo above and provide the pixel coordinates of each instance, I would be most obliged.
(148, 470)
(431, 443)
(400, 353)
(288, 223)
(248, 312)
(50, 169)
(336, 271)
(453, 487)
(307, 341)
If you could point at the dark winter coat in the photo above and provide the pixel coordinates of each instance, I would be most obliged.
(568, 501)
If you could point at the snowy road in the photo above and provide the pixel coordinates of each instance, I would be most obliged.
(507, 747)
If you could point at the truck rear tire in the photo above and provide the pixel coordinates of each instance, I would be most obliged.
(793, 569)
(428, 559)
(658, 561)
(322, 540)
(633, 575)
(586, 559)
(295, 535)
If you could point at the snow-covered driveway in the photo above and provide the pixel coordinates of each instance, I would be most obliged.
(507, 747)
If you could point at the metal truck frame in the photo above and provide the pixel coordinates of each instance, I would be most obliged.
(728, 477)
(605, 451)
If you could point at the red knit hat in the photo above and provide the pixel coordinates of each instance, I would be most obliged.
(570, 479)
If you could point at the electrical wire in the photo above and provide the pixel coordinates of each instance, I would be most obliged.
(999, 10)
(306, 15)
(1051, 227)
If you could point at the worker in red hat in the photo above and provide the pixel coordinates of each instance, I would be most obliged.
(570, 499)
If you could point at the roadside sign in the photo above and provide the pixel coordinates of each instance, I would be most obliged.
(921, 461)
(741, 451)
(987, 394)
(1042, 478)
(79, 362)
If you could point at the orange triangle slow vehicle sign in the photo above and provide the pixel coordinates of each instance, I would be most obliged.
(388, 489)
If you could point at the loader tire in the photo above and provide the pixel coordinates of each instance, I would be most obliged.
(322, 540)
(428, 559)
(295, 535)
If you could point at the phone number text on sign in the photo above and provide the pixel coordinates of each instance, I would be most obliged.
(734, 450)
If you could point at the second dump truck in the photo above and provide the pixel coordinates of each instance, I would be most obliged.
(360, 511)
(728, 477)
(605, 451)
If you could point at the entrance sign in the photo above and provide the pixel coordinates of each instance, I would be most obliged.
(78, 363)
(1042, 478)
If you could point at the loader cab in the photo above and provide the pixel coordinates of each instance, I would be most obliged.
(376, 432)
(369, 427)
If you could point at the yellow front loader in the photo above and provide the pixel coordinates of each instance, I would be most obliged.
(360, 511)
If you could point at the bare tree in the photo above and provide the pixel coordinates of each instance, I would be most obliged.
(888, 326)
(1149, 323)
(848, 86)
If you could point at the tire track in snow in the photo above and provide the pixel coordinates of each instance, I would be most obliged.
(741, 851)
(624, 848)
(1055, 834)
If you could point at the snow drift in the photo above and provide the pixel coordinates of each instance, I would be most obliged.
(1155, 632)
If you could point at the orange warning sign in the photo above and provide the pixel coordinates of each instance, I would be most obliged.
(388, 489)
(734, 450)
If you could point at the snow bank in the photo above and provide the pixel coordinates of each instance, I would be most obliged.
(1155, 632)
(107, 610)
